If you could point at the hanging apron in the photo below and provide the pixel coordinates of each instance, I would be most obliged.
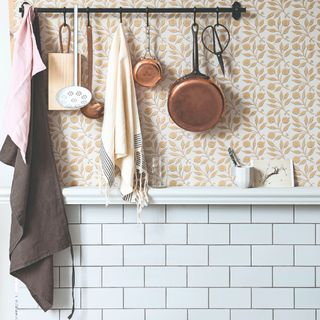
(39, 226)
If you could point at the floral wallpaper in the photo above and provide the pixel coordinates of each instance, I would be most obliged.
(271, 86)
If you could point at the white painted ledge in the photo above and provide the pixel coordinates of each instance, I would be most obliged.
(195, 195)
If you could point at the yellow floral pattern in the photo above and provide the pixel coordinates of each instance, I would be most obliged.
(271, 87)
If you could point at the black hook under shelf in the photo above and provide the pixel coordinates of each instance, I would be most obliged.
(236, 10)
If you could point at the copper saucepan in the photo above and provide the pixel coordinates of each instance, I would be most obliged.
(148, 71)
(195, 102)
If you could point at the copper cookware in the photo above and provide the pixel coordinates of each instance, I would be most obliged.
(147, 72)
(94, 110)
(195, 102)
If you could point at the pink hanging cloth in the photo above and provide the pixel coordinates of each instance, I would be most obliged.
(26, 63)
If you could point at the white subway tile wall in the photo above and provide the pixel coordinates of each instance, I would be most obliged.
(203, 262)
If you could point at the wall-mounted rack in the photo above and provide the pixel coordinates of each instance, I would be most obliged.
(236, 10)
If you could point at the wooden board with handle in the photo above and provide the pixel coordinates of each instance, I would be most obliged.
(60, 75)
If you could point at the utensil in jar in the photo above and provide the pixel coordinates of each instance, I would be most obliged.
(195, 102)
(233, 157)
(216, 33)
(148, 71)
(94, 109)
(74, 97)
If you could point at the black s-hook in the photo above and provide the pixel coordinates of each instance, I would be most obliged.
(120, 14)
(218, 24)
(22, 8)
(88, 16)
(147, 11)
(64, 16)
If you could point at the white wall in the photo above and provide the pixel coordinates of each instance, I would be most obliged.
(6, 281)
(191, 262)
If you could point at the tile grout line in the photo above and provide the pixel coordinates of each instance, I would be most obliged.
(187, 277)
(187, 233)
(101, 240)
(122, 256)
(165, 255)
(122, 298)
(101, 282)
(166, 298)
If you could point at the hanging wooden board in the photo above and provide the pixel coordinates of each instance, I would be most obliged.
(60, 75)
(11, 6)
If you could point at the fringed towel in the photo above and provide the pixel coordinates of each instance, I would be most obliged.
(122, 145)
(39, 226)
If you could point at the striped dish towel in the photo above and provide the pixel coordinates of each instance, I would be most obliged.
(122, 146)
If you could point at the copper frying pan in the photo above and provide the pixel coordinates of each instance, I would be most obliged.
(195, 102)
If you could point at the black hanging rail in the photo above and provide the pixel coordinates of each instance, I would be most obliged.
(236, 10)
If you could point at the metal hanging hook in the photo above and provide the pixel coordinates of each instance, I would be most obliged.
(22, 7)
(218, 17)
(120, 9)
(64, 16)
(88, 16)
(147, 11)
(148, 51)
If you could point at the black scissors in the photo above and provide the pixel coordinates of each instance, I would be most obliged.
(216, 33)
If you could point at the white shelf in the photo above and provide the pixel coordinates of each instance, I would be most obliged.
(195, 195)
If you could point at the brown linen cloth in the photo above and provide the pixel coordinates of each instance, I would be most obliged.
(39, 227)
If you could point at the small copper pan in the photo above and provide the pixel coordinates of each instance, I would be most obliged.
(195, 102)
(148, 71)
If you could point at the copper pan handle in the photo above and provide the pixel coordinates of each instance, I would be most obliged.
(195, 55)
(90, 56)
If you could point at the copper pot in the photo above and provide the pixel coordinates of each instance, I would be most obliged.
(148, 71)
(195, 102)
